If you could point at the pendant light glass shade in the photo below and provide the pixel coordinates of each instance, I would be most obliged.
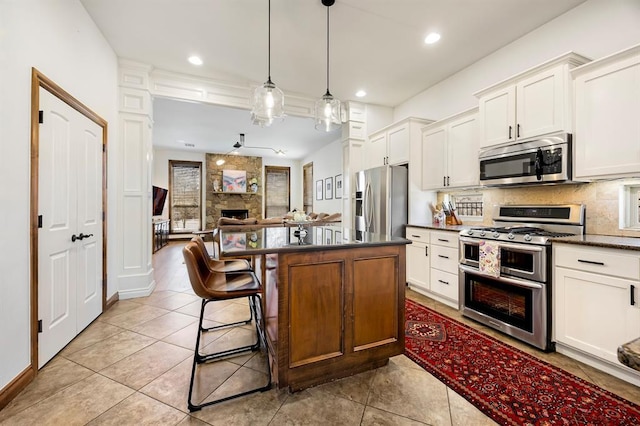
(267, 103)
(328, 114)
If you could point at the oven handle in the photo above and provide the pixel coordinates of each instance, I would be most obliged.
(518, 283)
(527, 248)
(515, 247)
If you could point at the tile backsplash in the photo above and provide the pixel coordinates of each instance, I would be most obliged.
(600, 198)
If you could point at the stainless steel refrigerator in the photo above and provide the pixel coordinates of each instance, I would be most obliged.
(381, 201)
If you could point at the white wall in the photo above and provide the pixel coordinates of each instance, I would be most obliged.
(327, 162)
(594, 29)
(58, 38)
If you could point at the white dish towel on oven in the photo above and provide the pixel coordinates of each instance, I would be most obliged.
(489, 258)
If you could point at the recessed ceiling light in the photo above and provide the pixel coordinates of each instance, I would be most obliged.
(361, 93)
(195, 60)
(431, 38)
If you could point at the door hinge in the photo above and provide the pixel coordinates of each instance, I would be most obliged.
(39, 326)
(40, 116)
(104, 148)
(39, 221)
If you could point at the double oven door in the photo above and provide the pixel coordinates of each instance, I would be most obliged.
(513, 302)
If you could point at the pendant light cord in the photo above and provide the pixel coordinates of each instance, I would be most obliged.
(327, 49)
(269, 44)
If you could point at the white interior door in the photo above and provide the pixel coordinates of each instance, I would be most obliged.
(70, 203)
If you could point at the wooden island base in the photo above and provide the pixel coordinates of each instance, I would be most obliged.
(333, 313)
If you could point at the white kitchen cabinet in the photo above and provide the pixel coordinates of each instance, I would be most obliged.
(533, 103)
(596, 300)
(444, 283)
(432, 264)
(418, 265)
(392, 144)
(450, 152)
(607, 109)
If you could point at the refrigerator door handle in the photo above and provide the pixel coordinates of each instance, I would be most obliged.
(368, 208)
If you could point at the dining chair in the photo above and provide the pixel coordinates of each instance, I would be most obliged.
(211, 286)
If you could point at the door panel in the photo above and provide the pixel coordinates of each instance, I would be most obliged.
(70, 202)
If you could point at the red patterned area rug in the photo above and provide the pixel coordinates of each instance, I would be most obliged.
(505, 383)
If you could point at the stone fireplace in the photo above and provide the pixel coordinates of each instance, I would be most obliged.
(217, 201)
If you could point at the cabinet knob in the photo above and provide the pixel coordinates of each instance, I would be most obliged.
(510, 128)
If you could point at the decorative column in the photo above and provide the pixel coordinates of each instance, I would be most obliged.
(354, 133)
(133, 230)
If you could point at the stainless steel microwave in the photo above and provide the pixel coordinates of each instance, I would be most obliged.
(542, 160)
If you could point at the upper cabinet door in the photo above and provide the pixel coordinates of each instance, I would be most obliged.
(607, 113)
(434, 157)
(462, 152)
(398, 144)
(498, 117)
(377, 151)
(541, 104)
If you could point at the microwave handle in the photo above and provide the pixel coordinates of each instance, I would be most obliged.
(539, 163)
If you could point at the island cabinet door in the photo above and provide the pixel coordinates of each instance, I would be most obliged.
(378, 300)
(316, 310)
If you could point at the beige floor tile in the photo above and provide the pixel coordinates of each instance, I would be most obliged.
(175, 301)
(75, 405)
(193, 308)
(156, 296)
(314, 407)
(120, 307)
(58, 374)
(110, 350)
(192, 421)
(355, 388)
(242, 380)
(96, 332)
(464, 413)
(228, 314)
(139, 410)
(165, 325)
(234, 338)
(142, 313)
(186, 337)
(172, 387)
(374, 417)
(410, 393)
(252, 410)
(142, 367)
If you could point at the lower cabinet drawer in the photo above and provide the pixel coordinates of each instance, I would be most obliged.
(444, 284)
(417, 234)
(444, 258)
(617, 263)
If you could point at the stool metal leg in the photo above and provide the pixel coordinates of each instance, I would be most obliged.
(254, 305)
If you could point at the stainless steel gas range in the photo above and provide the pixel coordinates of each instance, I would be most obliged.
(505, 270)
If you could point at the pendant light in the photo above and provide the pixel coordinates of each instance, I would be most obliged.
(327, 109)
(268, 100)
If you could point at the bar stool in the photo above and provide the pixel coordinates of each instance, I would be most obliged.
(212, 286)
(230, 265)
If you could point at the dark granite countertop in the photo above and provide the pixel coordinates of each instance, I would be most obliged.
(629, 354)
(606, 241)
(248, 241)
(437, 227)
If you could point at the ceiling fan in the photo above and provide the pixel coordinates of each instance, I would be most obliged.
(240, 144)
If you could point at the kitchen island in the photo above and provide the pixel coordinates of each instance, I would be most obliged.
(333, 299)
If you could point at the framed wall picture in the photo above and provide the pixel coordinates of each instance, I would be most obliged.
(319, 235)
(319, 189)
(328, 236)
(234, 181)
(328, 188)
(338, 183)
